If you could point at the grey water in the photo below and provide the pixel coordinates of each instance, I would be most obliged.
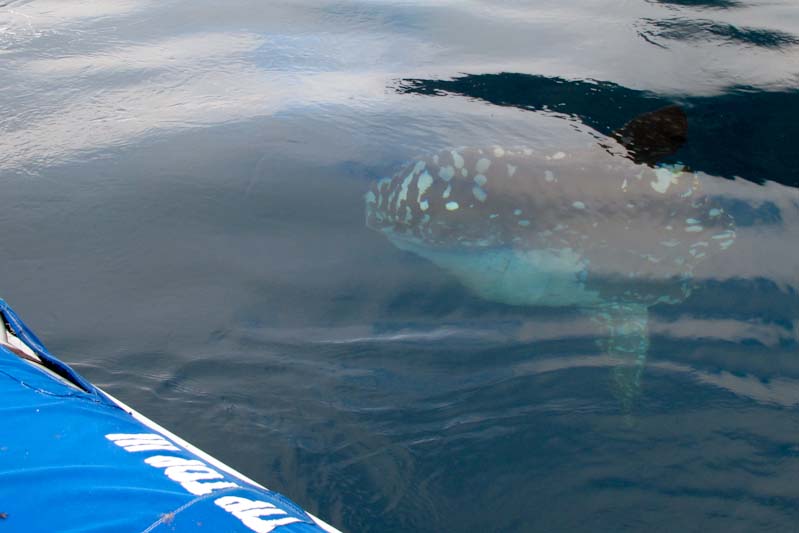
(184, 221)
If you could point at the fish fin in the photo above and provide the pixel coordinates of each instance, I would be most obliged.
(625, 338)
(653, 136)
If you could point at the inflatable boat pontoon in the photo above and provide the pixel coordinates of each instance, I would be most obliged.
(75, 459)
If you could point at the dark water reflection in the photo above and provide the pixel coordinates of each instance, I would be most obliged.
(184, 221)
(688, 30)
(742, 132)
(702, 4)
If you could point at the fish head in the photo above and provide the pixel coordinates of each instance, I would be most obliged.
(452, 199)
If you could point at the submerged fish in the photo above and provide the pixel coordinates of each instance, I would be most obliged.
(602, 229)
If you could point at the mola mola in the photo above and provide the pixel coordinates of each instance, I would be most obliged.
(602, 229)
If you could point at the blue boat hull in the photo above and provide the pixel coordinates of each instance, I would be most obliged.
(75, 459)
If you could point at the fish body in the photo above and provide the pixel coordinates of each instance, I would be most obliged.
(603, 228)
(584, 228)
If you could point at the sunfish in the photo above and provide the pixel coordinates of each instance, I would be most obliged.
(602, 229)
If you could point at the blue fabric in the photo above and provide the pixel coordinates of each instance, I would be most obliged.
(71, 460)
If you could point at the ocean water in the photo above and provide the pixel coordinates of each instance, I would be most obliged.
(183, 220)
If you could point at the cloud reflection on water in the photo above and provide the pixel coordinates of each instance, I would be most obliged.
(195, 51)
(123, 69)
(22, 21)
(686, 329)
(63, 11)
(193, 80)
(780, 391)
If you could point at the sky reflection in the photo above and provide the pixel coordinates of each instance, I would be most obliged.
(25, 20)
(82, 76)
(780, 391)
(197, 52)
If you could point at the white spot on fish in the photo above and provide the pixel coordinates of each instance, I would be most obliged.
(724, 235)
(452, 206)
(493, 216)
(549, 176)
(424, 183)
(499, 152)
(630, 206)
(578, 205)
(624, 185)
(446, 173)
(480, 180)
(479, 194)
(464, 172)
(419, 166)
(524, 223)
(726, 244)
(447, 191)
(423, 205)
(511, 170)
(403, 195)
(370, 197)
(670, 243)
(482, 165)
(517, 212)
(664, 179)
(558, 155)
(694, 229)
(457, 159)
(691, 221)
(714, 212)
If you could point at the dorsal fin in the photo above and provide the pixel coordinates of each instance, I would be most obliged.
(652, 136)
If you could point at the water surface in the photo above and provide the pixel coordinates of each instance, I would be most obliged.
(184, 222)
